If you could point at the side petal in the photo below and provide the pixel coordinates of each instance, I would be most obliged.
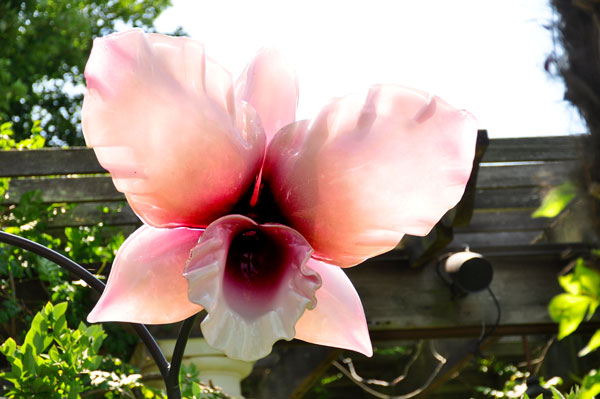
(369, 169)
(163, 120)
(338, 320)
(270, 85)
(253, 282)
(146, 283)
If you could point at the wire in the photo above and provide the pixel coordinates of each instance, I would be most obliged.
(395, 381)
(487, 334)
(358, 381)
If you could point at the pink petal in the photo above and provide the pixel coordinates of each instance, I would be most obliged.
(163, 121)
(146, 283)
(338, 319)
(253, 282)
(369, 169)
(270, 85)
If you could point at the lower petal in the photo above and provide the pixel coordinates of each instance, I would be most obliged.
(338, 320)
(253, 282)
(146, 283)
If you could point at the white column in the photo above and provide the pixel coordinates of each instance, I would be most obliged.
(213, 365)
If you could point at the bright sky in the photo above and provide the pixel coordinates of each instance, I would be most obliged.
(484, 56)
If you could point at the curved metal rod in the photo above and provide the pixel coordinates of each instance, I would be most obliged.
(92, 281)
(172, 380)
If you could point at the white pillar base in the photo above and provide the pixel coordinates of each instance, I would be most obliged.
(213, 365)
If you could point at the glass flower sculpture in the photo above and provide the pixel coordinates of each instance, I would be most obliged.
(248, 213)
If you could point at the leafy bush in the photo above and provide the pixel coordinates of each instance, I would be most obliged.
(56, 362)
(579, 302)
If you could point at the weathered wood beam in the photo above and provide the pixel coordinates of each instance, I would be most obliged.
(503, 220)
(525, 149)
(509, 198)
(101, 188)
(397, 297)
(546, 174)
(49, 161)
(78, 160)
(81, 189)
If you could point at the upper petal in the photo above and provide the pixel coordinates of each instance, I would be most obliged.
(338, 320)
(270, 85)
(146, 283)
(369, 169)
(163, 120)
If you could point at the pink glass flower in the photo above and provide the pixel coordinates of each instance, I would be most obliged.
(247, 213)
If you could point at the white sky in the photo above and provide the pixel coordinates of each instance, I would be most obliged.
(483, 56)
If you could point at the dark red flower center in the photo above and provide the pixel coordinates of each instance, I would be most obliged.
(254, 268)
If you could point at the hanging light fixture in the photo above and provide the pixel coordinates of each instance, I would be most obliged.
(465, 272)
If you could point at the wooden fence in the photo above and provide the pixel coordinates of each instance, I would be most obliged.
(400, 302)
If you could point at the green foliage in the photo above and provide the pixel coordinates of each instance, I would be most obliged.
(21, 270)
(590, 387)
(556, 201)
(192, 389)
(391, 350)
(53, 359)
(507, 376)
(33, 142)
(579, 302)
(56, 361)
(45, 44)
(83, 243)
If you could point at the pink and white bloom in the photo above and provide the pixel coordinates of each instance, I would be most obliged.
(248, 213)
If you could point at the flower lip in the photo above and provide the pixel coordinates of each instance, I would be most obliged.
(254, 282)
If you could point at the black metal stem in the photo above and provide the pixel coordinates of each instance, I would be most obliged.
(172, 380)
(170, 373)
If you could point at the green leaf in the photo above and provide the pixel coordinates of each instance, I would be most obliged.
(570, 284)
(592, 345)
(587, 278)
(54, 355)
(60, 325)
(60, 309)
(34, 335)
(569, 311)
(590, 387)
(8, 347)
(29, 364)
(556, 201)
(48, 309)
(16, 367)
(556, 394)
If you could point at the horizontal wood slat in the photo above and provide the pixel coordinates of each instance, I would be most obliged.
(526, 149)
(496, 238)
(502, 220)
(90, 213)
(546, 174)
(509, 198)
(49, 161)
(82, 160)
(83, 189)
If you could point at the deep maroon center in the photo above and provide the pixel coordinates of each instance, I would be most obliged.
(266, 209)
(255, 266)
